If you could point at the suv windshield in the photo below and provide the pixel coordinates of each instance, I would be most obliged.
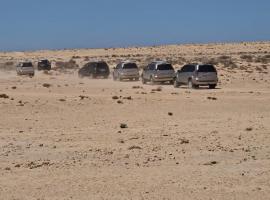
(27, 65)
(207, 68)
(130, 66)
(165, 67)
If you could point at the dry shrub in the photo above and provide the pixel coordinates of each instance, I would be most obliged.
(263, 59)
(8, 66)
(227, 61)
(76, 57)
(247, 58)
(64, 66)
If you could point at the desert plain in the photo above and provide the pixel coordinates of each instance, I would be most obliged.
(60, 136)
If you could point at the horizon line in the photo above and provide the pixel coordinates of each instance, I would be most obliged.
(136, 46)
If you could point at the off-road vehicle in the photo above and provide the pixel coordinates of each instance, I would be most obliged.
(126, 70)
(25, 68)
(158, 71)
(44, 65)
(95, 70)
(195, 75)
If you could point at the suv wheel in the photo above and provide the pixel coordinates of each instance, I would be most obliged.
(143, 81)
(152, 80)
(190, 84)
(176, 84)
(212, 86)
(92, 76)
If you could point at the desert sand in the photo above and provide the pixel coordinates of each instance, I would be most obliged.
(60, 136)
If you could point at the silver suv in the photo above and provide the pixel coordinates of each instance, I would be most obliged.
(126, 70)
(25, 68)
(195, 75)
(159, 71)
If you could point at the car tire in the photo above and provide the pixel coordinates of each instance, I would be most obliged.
(152, 80)
(190, 84)
(92, 76)
(176, 84)
(143, 81)
(80, 75)
(212, 86)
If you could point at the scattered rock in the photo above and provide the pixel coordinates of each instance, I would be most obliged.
(184, 141)
(134, 147)
(14, 87)
(122, 125)
(46, 85)
(128, 98)
(20, 103)
(17, 165)
(211, 163)
(170, 113)
(158, 89)
(249, 129)
(115, 97)
(8, 168)
(137, 87)
(212, 98)
(4, 96)
(83, 97)
(121, 141)
(62, 100)
(120, 102)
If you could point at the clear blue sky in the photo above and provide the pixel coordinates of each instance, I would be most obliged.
(57, 24)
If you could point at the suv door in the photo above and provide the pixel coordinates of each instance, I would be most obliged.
(190, 72)
(146, 72)
(116, 70)
(151, 70)
(182, 74)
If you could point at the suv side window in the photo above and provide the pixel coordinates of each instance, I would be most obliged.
(118, 66)
(152, 67)
(190, 68)
(184, 69)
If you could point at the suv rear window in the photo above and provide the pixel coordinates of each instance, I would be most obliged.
(102, 66)
(44, 61)
(27, 65)
(165, 67)
(207, 68)
(130, 66)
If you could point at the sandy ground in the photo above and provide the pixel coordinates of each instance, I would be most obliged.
(65, 142)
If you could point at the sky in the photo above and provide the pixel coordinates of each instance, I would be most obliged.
(59, 24)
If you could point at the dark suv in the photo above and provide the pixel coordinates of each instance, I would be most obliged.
(44, 65)
(195, 75)
(95, 70)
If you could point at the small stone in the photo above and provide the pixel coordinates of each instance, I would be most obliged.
(122, 125)
(115, 97)
(170, 113)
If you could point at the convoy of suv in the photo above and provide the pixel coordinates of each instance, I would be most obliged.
(192, 75)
